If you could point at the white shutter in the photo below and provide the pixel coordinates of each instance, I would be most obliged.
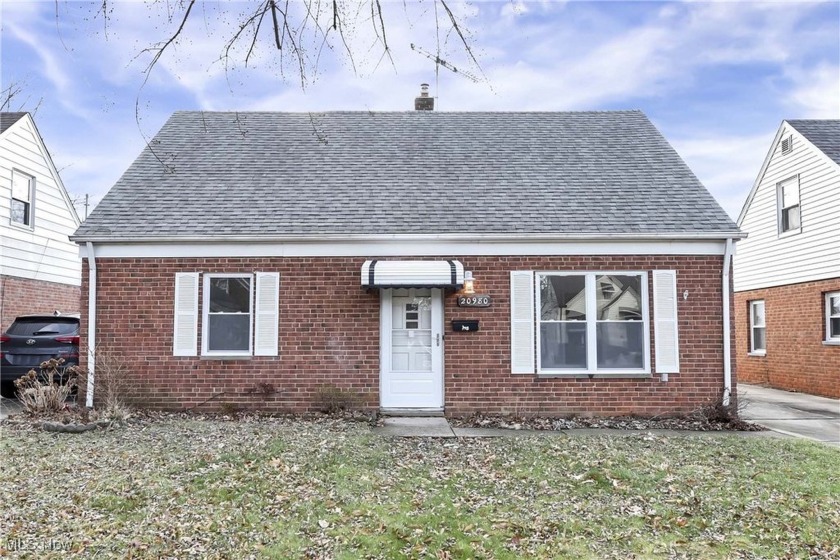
(522, 321)
(665, 321)
(266, 314)
(185, 335)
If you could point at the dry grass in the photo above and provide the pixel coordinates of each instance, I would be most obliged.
(275, 488)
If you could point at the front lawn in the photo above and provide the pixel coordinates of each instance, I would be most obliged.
(189, 488)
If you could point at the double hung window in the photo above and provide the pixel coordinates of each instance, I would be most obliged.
(790, 218)
(238, 315)
(23, 191)
(758, 328)
(832, 317)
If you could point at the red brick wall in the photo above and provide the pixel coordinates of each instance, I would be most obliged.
(796, 359)
(20, 296)
(329, 335)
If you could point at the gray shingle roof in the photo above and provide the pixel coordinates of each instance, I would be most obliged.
(363, 173)
(824, 134)
(8, 119)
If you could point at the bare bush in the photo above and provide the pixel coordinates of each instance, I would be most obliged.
(332, 399)
(48, 391)
(110, 383)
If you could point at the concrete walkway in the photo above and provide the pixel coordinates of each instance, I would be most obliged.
(793, 414)
(784, 413)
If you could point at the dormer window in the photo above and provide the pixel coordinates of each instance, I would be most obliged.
(787, 194)
(23, 192)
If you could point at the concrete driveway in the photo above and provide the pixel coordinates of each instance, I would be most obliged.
(8, 406)
(796, 414)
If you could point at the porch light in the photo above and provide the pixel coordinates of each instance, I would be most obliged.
(469, 288)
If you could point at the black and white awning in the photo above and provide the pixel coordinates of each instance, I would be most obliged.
(413, 274)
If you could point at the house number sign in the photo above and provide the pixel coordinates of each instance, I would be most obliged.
(474, 301)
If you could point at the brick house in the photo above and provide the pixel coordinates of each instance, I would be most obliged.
(787, 272)
(40, 268)
(534, 263)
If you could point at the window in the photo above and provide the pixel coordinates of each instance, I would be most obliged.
(239, 314)
(758, 329)
(593, 322)
(832, 317)
(23, 189)
(227, 314)
(788, 200)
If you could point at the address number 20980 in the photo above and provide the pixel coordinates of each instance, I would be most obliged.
(474, 301)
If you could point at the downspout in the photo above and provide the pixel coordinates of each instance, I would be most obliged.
(91, 341)
(727, 350)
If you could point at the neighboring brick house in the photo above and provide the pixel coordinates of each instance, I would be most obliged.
(787, 272)
(40, 268)
(281, 260)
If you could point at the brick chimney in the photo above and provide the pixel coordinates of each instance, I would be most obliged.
(424, 102)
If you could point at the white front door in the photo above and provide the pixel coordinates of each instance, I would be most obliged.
(411, 348)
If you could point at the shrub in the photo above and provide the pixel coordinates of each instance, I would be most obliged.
(110, 383)
(332, 399)
(48, 391)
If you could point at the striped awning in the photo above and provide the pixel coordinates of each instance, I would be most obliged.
(413, 274)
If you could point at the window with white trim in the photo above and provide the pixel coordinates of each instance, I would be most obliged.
(227, 314)
(787, 193)
(23, 192)
(758, 328)
(239, 314)
(832, 317)
(592, 322)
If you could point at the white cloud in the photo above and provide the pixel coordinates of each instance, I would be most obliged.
(816, 93)
(727, 165)
(51, 68)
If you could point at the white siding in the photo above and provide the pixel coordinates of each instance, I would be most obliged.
(765, 258)
(43, 252)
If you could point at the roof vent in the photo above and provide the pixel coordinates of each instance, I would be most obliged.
(424, 102)
(787, 145)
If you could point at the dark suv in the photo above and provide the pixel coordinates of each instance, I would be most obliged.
(32, 339)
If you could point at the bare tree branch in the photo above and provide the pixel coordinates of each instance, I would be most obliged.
(457, 28)
(159, 50)
(276, 25)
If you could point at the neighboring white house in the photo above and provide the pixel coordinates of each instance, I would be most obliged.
(40, 269)
(787, 271)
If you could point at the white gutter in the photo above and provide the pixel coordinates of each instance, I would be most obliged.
(91, 342)
(478, 237)
(727, 351)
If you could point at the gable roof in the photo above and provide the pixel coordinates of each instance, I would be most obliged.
(8, 119)
(308, 175)
(824, 134)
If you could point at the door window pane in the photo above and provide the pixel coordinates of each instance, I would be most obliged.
(411, 334)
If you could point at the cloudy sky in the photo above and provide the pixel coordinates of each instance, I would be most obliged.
(716, 78)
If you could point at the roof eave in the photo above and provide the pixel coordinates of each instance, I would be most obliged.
(486, 238)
